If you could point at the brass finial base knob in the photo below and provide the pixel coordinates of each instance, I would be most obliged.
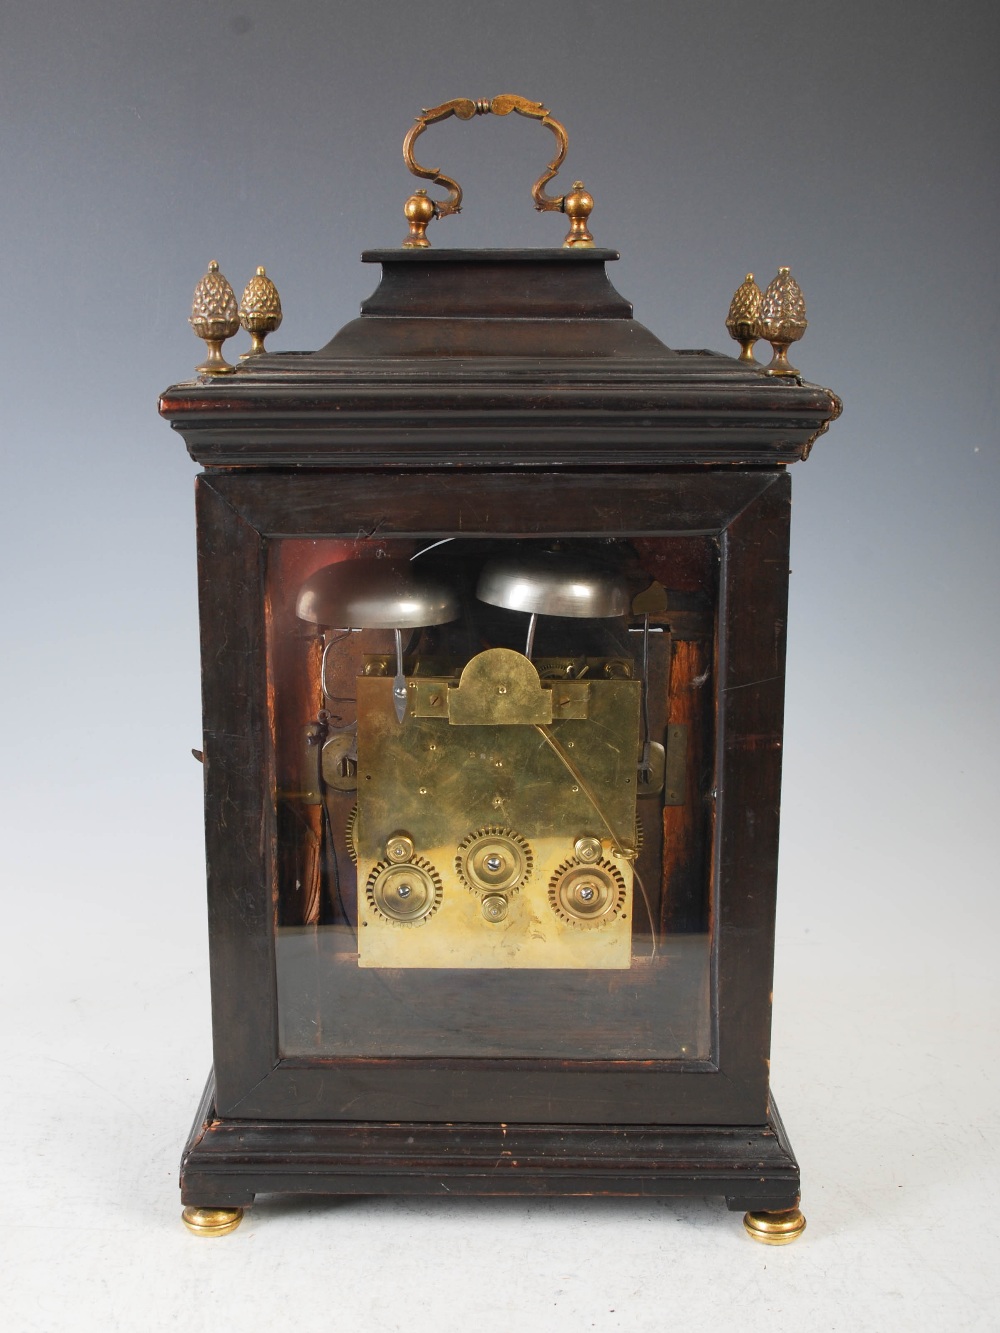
(743, 320)
(260, 311)
(782, 320)
(418, 210)
(212, 1221)
(578, 206)
(214, 317)
(775, 1228)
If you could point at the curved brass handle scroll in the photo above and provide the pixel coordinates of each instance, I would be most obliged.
(420, 209)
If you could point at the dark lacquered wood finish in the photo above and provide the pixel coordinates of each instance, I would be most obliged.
(554, 371)
(237, 513)
(552, 413)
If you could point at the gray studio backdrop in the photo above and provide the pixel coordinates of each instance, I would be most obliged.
(853, 141)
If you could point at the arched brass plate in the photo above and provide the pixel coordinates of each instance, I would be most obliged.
(420, 210)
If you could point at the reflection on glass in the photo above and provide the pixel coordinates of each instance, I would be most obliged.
(493, 762)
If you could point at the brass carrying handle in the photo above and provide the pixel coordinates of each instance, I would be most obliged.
(420, 209)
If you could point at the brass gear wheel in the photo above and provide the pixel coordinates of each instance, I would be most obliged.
(405, 894)
(351, 831)
(587, 895)
(494, 860)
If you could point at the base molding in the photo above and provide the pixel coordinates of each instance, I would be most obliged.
(226, 1162)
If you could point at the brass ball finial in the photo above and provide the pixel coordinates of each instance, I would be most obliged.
(578, 206)
(418, 210)
(214, 318)
(782, 320)
(260, 311)
(743, 320)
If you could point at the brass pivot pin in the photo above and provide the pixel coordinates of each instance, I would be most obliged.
(214, 317)
(420, 209)
(260, 311)
(782, 320)
(743, 320)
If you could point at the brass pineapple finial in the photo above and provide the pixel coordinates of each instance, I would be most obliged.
(214, 317)
(782, 320)
(743, 320)
(260, 311)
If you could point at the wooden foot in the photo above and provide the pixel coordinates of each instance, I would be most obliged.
(775, 1228)
(212, 1221)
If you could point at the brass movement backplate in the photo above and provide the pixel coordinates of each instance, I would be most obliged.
(494, 810)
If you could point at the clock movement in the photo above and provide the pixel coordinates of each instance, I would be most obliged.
(493, 591)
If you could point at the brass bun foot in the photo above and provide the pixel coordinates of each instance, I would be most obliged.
(775, 1228)
(212, 1221)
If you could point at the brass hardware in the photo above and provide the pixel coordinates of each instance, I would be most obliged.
(260, 311)
(404, 894)
(212, 1221)
(339, 760)
(499, 687)
(420, 209)
(743, 320)
(587, 849)
(495, 907)
(312, 787)
(488, 778)
(351, 834)
(587, 895)
(675, 774)
(399, 848)
(581, 785)
(652, 601)
(775, 1228)
(214, 317)
(578, 206)
(782, 320)
(651, 781)
(494, 860)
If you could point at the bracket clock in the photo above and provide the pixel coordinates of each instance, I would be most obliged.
(493, 592)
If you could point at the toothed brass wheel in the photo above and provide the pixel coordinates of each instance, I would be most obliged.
(351, 831)
(587, 895)
(404, 894)
(493, 860)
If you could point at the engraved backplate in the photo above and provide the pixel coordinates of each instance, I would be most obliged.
(496, 825)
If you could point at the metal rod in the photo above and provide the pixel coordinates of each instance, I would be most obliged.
(399, 684)
(645, 761)
(531, 635)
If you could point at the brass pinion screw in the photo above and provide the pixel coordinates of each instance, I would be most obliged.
(782, 320)
(214, 318)
(260, 311)
(743, 320)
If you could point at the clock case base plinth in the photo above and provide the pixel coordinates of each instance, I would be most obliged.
(227, 1162)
